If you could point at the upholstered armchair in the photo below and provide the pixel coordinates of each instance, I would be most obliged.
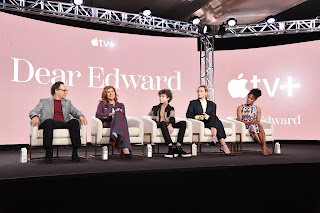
(204, 135)
(101, 136)
(61, 137)
(243, 134)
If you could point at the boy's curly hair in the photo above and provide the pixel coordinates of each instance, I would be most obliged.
(167, 92)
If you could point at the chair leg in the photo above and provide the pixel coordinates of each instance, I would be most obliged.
(95, 150)
(30, 152)
(85, 152)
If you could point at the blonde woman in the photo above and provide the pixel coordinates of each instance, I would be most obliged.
(113, 116)
(205, 110)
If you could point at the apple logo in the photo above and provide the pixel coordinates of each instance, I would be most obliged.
(95, 42)
(237, 88)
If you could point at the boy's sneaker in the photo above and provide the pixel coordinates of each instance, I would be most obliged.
(170, 152)
(181, 153)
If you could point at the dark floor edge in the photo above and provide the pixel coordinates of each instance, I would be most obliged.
(154, 171)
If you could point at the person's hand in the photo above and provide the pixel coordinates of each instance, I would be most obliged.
(35, 121)
(205, 115)
(83, 120)
(201, 117)
(170, 129)
(253, 121)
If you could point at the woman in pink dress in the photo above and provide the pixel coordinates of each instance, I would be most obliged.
(250, 114)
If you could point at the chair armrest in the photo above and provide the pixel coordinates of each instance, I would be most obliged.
(227, 123)
(96, 127)
(33, 134)
(149, 125)
(133, 122)
(83, 128)
(197, 126)
(266, 124)
(240, 126)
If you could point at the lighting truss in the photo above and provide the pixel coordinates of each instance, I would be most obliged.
(278, 28)
(99, 15)
(206, 63)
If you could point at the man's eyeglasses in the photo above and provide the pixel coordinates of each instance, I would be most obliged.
(64, 90)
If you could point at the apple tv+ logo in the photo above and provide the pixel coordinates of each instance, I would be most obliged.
(237, 87)
(102, 43)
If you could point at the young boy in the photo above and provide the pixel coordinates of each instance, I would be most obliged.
(163, 114)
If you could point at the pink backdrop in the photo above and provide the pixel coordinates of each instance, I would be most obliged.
(34, 54)
(40, 52)
(295, 115)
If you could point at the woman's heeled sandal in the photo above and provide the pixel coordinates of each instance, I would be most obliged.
(229, 154)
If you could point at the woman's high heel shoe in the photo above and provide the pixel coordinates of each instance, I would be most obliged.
(229, 154)
(126, 156)
(212, 143)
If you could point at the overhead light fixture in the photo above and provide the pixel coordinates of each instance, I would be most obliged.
(231, 22)
(146, 12)
(195, 20)
(78, 2)
(271, 19)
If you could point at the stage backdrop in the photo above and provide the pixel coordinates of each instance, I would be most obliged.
(35, 54)
(288, 77)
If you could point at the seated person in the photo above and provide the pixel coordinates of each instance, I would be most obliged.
(163, 114)
(250, 115)
(205, 110)
(113, 116)
(54, 113)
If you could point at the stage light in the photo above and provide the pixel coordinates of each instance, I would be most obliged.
(145, 12)
(231, 22)
(195, 20)
(78, 2)
(271, 19)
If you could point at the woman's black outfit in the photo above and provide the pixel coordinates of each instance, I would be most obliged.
(195, 108)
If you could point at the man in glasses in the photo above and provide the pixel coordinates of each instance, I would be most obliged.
(54, 113)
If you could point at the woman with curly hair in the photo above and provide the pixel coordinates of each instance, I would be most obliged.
(113, 116)
(250, 115)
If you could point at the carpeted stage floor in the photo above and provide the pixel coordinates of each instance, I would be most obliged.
(249, 182)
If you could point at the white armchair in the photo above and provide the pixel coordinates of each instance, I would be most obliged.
(243, 134)
(204, 135)
(101, 136)
(61, 137)
(153, 134)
